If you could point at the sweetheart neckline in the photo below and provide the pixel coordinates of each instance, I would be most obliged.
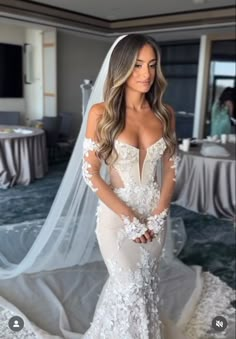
(139, 149)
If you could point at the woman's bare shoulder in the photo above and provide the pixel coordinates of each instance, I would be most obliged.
(97, 110)
(169, 109)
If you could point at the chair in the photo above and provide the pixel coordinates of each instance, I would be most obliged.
(65, 141)
(10, 118)
(51, 126)
(65, 126)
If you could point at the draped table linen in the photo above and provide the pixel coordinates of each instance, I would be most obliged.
(23, 155)
(207, 184)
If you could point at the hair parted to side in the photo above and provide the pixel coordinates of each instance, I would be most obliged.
(112, 122)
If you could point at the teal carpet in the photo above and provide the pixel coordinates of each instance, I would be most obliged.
(210, 241)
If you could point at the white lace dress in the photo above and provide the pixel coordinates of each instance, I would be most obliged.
(129, 305)
(143, 297)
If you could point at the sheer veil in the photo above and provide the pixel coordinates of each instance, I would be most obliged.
(52, 272)
(66, 238)
(55, 263)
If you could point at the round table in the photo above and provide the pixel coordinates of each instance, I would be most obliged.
(23, 155)
(206, 184)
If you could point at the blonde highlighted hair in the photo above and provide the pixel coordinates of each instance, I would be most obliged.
(121, 66)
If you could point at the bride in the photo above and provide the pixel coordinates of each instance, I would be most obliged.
(129, 164)
(130, 132)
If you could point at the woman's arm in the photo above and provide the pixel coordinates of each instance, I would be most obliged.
(91, 175)
(169, 174)
(92, 165)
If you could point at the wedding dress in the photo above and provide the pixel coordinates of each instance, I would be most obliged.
(55, 276)
(128, 306)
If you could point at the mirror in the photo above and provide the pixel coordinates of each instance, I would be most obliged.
(222, 73)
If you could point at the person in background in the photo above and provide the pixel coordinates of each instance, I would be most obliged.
(223, 112)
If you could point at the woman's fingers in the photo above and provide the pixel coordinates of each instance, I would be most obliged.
(143, 239)
(148, 236)
(151, 233)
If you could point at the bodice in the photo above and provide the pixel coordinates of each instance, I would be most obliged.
(137, 165)
(133, 174)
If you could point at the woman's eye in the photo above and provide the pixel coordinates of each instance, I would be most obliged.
(138, 66)
(153, 65)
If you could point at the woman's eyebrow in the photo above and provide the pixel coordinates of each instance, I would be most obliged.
(144, 61)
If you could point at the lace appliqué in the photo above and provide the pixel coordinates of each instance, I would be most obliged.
(7, 333)
(89, 145)
(214, 301)
(175, 159)
(134, 229)
(156, 222)
(129, 308)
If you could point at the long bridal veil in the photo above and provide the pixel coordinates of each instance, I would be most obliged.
(51, 271)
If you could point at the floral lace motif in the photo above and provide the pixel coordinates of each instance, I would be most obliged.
(214, 301)
(134, 228)
(131, 154)
(141, 198)
(156, 222)
(89, 145)
(7, 333)
(175, 160)
(129, 308)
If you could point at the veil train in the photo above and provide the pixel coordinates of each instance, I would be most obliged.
(52, 272)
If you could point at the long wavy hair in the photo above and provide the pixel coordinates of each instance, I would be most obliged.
(121, 66)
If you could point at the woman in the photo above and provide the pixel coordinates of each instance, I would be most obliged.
(55, 273)
(222, 112)
(131, 131)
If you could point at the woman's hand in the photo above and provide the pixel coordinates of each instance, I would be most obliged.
(137, 230)
(146, 237)
(133, 227)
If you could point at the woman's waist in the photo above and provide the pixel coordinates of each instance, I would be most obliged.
(140, 197)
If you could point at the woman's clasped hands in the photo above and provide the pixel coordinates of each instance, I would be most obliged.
(143, 232)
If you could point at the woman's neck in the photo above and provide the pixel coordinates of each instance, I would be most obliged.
(135, 101)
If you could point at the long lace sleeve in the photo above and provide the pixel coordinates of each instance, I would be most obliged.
(91, 174)
(91, 164)
(172, 162)
(169, 174)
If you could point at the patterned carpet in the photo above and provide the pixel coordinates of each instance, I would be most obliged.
(210, 241)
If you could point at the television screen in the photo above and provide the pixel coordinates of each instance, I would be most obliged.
(11, 71)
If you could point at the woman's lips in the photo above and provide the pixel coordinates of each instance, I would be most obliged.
(144, 82)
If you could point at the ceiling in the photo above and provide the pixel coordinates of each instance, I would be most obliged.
(126, 9)
(106, 19)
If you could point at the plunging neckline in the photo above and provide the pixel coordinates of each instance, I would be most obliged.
(140, 168)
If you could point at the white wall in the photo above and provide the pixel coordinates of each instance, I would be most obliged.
(12, 35)
(34, 91)
(78, 58)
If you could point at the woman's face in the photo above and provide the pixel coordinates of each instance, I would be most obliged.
(144, 70)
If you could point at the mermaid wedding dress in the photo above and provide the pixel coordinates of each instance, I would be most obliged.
(144, 296)
(54, 275)
(128, 305)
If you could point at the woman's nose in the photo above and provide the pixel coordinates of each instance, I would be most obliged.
(146, 70)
